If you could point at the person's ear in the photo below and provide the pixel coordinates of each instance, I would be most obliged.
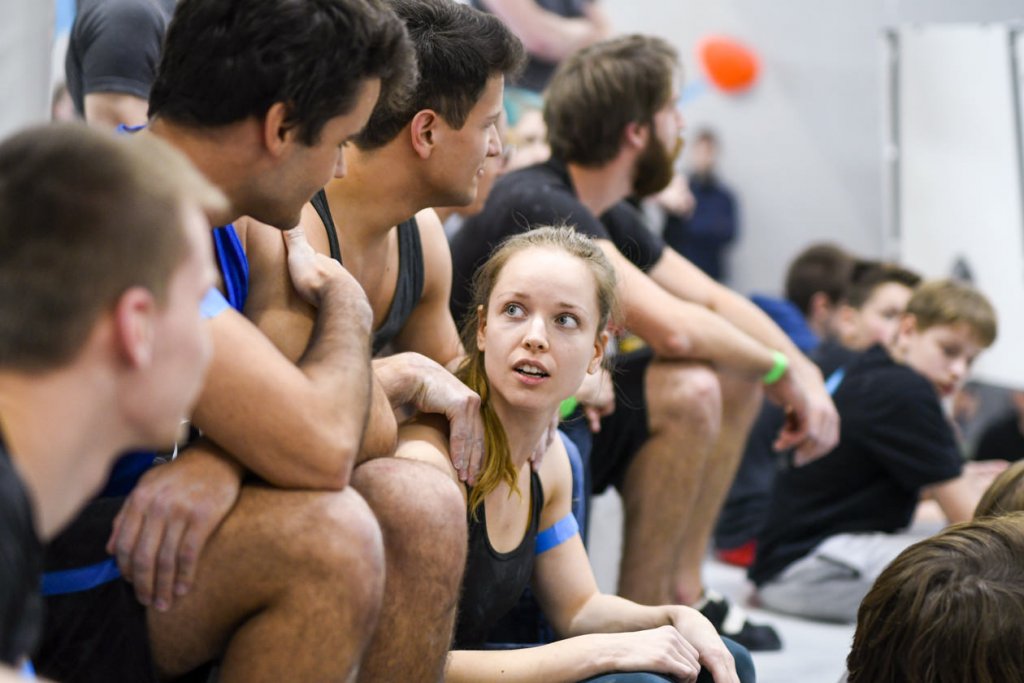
(821, 307)
(277, 134)
(636, 135)
(481, 328)
(600, 344)
(907, 327)
(134, 319)
(423, 132)
(846, 321)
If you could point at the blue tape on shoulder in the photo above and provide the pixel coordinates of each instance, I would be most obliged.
(213, 304)
(556, 534)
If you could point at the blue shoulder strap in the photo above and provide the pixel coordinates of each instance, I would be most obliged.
(233, 264)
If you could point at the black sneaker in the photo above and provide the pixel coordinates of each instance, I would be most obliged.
(731, 621)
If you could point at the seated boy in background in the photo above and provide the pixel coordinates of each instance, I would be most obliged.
(847, 318)
(875, 301)
(833, 525)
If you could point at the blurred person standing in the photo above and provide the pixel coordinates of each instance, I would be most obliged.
(113, 52)
(551, 30)
(702, 228)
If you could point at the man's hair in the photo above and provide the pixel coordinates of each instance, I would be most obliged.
(824, 268)
(226, 60)
(948, 609)
(949, 302)
(1005, 494)
(458, 49)
(598, 91)
(84, 216)
(867, 276)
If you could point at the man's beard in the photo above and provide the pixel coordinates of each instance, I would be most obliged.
(655, 167)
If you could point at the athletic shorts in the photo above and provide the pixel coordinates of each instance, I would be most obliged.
(98, 633)
(624, 431)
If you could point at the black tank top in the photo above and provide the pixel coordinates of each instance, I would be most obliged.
(21, 568)
(493, 581)
(409, 287)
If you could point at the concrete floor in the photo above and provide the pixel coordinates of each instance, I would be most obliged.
(812, 652)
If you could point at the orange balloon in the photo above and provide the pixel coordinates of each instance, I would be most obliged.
(729, 64)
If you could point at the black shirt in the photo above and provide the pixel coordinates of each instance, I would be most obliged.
(408, 289)
(21, 566)
(895, 440)
(114, 46)
(1002, 440)
(542, 195)
(493, 581)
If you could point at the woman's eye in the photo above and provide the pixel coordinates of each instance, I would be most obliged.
(566, 320)
(512, 309)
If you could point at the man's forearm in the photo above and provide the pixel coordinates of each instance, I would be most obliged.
(381, 436)
(691, 332)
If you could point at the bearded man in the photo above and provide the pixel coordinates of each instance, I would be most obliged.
(686, 400)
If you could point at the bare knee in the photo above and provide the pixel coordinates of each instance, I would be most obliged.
(421, 511)
(335, 539)
(683, 397)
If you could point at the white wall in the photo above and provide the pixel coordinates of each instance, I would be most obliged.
(803, 148)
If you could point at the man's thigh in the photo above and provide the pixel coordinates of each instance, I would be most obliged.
(262, 546)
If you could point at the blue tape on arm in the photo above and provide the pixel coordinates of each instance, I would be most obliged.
(556, 534)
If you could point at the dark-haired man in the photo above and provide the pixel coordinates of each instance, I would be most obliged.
(100, 330)
(261, 97)
(427, 150)
(614, 130)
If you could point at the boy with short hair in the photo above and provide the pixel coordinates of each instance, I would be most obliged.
(875, 300)
(833, 524)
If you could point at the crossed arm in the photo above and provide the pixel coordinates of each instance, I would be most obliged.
(294, 425)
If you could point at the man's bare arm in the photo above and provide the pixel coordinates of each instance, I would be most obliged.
(295, 425)
(112, 109)
(680, 277)
(678, 329)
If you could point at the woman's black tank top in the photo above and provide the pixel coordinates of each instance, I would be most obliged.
(493, 581)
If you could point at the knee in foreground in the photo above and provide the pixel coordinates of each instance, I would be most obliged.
(336, 535)
(415, 501)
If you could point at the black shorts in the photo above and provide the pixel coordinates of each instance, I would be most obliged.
(98, 634)
(624, 431)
